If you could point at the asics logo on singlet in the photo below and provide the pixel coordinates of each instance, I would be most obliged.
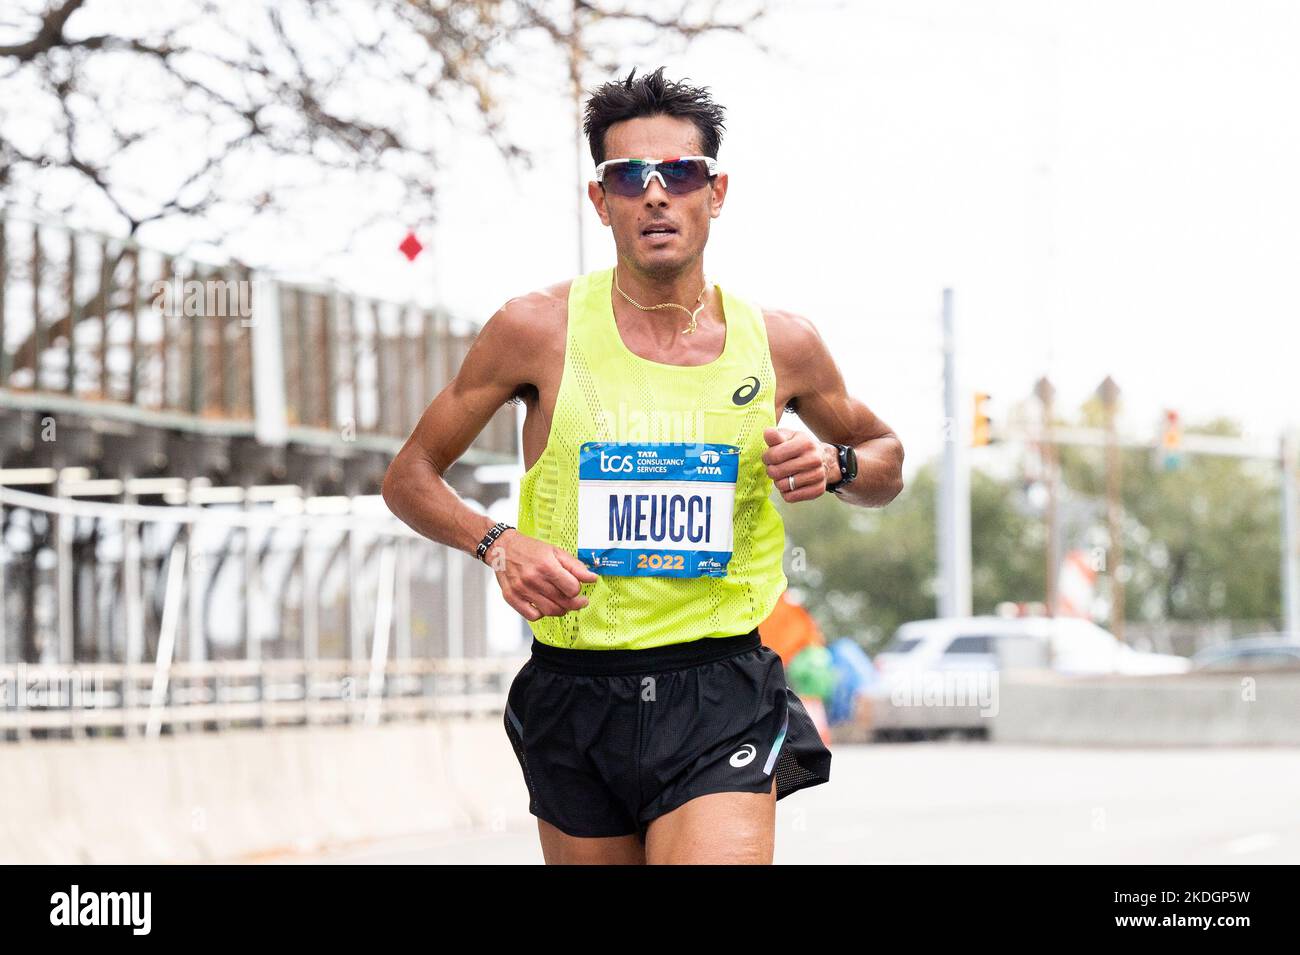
(745, 393)
(743, 756)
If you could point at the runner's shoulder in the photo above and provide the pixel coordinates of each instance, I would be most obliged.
(789, 333)
(535, 316)
(524, 338)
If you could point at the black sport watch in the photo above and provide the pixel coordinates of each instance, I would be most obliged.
(848, 467)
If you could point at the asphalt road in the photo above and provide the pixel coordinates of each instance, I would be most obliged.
(951, 802)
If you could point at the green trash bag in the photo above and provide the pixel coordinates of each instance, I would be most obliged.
(812, 672)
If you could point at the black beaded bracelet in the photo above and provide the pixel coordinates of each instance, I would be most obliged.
(499, 528)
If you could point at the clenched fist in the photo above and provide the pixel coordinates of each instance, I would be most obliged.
(537, 578)
(798, 455)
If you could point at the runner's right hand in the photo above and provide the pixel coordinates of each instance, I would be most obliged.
(536, 578)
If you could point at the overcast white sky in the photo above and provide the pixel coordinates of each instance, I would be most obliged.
(1109, 187)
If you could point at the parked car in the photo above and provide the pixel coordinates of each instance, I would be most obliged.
(963, 650)
(1261, 651)
(1075, 646)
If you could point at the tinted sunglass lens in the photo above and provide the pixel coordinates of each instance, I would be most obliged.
(626, 178)
(684, 175)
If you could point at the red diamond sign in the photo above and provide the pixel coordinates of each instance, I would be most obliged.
(410, 247)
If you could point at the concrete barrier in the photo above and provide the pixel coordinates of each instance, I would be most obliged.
(1197, 709)
(249, 793)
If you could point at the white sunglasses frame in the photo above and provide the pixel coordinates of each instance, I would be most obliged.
(710, 163)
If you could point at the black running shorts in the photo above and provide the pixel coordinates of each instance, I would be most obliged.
(609, 740)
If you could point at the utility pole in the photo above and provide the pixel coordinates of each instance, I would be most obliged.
(1051, 477)
(1108, 391)
(954, 485)
(1290, 543)
(575, 84)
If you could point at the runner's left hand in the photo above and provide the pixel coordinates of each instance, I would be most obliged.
(795, 453)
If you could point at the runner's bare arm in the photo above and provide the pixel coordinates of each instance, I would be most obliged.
(500, 363)
(414, 489)
(810, 377)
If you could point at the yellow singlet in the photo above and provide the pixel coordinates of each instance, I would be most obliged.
(652, 475)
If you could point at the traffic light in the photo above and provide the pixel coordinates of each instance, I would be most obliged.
(982, 431)
(1171, 441)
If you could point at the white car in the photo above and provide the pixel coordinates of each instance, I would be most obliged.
(1065, 644)
(939, 676)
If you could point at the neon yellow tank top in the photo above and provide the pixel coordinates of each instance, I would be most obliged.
(638, 476)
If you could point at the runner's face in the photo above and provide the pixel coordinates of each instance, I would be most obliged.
(658, 137)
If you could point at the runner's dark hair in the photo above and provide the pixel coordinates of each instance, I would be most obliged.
(652, 95)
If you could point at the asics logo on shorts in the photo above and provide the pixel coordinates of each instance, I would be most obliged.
(743, 756)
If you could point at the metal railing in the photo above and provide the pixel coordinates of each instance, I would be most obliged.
(149, 699)
(100, 320)
(204, 616)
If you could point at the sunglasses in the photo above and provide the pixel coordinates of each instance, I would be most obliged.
(678, 175)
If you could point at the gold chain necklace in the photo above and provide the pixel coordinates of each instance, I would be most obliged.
(654, 308)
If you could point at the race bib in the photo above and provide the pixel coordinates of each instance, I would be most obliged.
(656, 509)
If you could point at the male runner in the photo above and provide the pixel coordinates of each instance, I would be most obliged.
(650, 723)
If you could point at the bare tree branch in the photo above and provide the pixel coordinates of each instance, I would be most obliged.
(49, 36)
(164, 121)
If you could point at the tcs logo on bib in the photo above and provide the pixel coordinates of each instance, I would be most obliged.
(616, 463)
